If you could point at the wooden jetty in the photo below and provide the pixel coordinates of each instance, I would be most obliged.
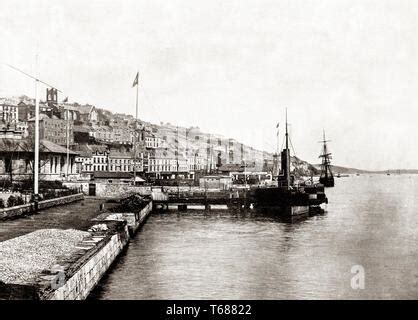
(235, 199)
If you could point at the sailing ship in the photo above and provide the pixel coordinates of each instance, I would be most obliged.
(326, 178)
(287, 198)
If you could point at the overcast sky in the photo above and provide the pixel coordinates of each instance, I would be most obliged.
(231, 67)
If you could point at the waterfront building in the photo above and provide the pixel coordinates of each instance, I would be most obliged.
(166, 164)
(195, 163)
(16, 160)
(125, 161)
(98, 158)
(92, 158)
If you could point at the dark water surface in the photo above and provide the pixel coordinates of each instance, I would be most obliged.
(370, 221)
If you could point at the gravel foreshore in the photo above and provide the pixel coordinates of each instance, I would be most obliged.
(25, 257)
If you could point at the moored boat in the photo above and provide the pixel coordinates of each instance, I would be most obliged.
(326, 178)
(287, 198)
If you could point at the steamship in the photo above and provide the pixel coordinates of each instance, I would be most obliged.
(287, 198)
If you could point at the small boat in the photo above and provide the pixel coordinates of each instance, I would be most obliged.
(342, 175)
(326, 178)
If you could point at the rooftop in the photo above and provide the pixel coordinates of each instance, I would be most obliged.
(26, 145)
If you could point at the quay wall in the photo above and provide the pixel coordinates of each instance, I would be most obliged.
(74, 277)
(29, 208)
(84, 274)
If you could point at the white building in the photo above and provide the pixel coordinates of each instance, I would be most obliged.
(8, 111)
(154, 142)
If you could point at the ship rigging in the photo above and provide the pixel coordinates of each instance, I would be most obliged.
(326, 178)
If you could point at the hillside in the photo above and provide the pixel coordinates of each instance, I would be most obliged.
(188, 141)
(347, 170)
(343, 170)
(302, 168)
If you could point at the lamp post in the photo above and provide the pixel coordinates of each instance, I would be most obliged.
(36, 161)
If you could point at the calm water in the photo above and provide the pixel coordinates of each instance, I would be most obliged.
(370, 221)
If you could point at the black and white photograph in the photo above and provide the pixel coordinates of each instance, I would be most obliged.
(196, 150)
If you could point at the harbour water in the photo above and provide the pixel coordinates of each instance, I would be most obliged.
(371, 221)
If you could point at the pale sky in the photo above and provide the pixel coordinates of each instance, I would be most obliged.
(231, 67)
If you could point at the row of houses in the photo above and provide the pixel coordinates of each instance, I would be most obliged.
(156, 164)
(105, 142)
(15, 110)
(16, 160)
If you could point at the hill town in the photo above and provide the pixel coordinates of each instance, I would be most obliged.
(115, 146)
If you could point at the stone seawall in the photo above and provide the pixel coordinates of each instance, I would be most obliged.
(75, 275)
(26, 209)
(81, 276)
(84, 273)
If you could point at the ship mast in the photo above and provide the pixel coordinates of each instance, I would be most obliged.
(287, 168)
(326, 156)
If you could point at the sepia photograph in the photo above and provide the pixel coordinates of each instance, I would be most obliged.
(231, 151)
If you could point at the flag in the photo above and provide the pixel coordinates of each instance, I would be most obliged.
(136, 80)
(65, 100)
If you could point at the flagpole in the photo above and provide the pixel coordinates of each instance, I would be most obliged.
(277, 139)
(68, 143)
(36, 160)
(136, 126)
